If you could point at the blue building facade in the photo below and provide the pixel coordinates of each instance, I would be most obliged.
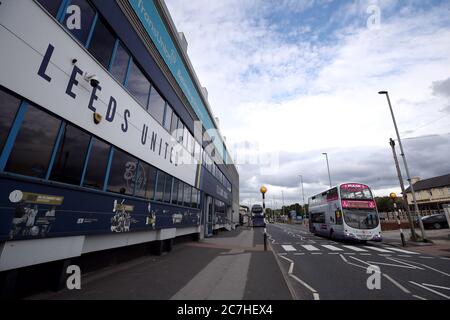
(106, 137)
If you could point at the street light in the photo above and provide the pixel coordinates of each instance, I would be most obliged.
(408, 177)
(328, 166)
(263, 191)
(303, 194)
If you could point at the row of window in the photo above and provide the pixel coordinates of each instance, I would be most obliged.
(45, 147)
(104, 45)
(215, 171)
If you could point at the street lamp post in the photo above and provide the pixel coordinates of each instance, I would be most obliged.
(263, 192)
(303, 192)
(303, 195)
(408, 177)
(328, 166)
(402, 187)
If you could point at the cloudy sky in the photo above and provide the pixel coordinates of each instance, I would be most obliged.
(294, 78)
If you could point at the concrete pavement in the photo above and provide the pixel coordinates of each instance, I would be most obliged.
(230, 266)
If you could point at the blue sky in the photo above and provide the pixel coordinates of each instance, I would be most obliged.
(297, 78)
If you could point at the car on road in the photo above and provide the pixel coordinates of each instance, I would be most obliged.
(435, 221)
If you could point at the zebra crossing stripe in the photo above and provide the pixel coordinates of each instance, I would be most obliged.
(288, 248)
(378, 249)
(332, 248)
(402, 251)
(355, 248)
(310, 248)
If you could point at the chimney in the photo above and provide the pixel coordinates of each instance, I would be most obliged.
(183, 41)
(414, 180)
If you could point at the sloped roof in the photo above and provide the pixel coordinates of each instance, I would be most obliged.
(436, 182)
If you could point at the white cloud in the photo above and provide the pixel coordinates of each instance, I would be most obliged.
(310, 96)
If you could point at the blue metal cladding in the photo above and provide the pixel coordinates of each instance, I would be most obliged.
(152, 22)
(80, 212)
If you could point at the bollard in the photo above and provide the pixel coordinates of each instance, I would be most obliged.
(402, 236)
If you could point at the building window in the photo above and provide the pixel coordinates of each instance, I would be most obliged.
(185, 137)
(168, 118)
(8, 106)
(138, 85)
(52, 6)
(187, 195)
(69, 161)
(102, 44)
(180, 132)
(98, 161)
(87, 17)
(160, 186)
(175, 191)
(174, 125)
(34, 144)
(145, 181)
(120, 64)
(180, 193)
(156, 106)
(168, 189)
(194, 198)
(122, 176)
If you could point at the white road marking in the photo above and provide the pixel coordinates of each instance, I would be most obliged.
(378, 249)
(355, 249)
(423, 257)
(397, 284)
(431, 290)
(411, 266)
(333, 253)
(332, 248)
(307, 286)
(317, 253)
(435, 286)
(402, 251)
(418, 297)
(424, 265)
(351, 263)
(288, 248)
(299, 254)
(371, 263)
(395, 265)
(310, 248)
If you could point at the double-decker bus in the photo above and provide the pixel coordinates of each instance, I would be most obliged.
(347, 212)
(258, 216)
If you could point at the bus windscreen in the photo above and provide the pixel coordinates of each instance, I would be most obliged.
(355, 192)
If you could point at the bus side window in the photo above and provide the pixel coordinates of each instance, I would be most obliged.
(338, 215)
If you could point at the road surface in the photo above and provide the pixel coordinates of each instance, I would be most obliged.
(318, 268)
